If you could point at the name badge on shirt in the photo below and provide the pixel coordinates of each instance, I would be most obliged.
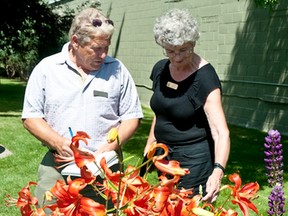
(100, 94)
(172, 85)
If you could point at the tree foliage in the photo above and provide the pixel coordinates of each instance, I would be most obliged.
(29, 31)
(266, 3)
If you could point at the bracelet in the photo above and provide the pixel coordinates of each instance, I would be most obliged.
(218, 165)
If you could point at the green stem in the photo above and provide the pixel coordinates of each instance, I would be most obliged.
(120, 158)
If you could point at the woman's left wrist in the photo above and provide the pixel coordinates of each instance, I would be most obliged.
(219, 166)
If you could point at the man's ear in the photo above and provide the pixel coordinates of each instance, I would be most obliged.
(74, 41)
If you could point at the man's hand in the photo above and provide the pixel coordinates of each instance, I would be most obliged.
(63, 148)
(107, 147)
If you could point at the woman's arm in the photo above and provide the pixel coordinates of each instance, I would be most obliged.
(220, 134)
(151, 137)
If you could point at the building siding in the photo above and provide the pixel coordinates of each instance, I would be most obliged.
(247, 45)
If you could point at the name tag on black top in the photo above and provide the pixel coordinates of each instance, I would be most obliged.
(100, 94)
(172, 85)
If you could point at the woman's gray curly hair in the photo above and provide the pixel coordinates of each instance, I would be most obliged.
(175, 28)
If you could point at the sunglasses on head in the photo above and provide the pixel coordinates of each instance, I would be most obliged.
(98, 22)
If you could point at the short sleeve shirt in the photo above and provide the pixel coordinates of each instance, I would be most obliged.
(57, 93)
(178, 106)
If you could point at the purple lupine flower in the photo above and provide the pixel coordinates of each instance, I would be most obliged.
(273, 158)
(276, 201)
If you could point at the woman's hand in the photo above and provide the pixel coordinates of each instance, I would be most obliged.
(213, 186)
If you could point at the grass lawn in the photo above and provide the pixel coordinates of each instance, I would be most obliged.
(17, 170)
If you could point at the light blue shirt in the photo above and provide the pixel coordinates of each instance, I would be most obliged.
(57, 93)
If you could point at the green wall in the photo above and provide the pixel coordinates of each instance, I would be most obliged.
(248, 46)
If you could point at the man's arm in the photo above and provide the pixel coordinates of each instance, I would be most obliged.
(125, 131)
(39, 128)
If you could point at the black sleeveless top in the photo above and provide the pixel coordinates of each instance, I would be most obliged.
(178, 106)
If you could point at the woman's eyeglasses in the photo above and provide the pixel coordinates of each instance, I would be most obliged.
(182, 53)
(98, 22)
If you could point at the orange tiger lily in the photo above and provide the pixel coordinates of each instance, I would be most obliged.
(128, 185)
(81, 157)
(39, 212)
(192, 206)
(138, 207)
(167, 201)
(167, 167)
(176, 202)
(87, 175)
(160, 198)
(242, 196)
(71, 202)
(230, 212)
(80, 135)
(24, 201)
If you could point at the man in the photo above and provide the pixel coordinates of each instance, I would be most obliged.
(81, 88)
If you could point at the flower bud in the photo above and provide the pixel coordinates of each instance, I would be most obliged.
(112, 135)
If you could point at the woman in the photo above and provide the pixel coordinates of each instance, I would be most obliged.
(189, 117)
